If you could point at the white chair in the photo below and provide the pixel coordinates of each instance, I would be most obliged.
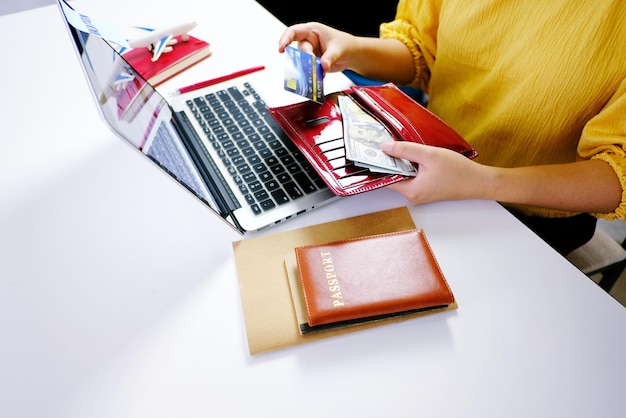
(603, 256)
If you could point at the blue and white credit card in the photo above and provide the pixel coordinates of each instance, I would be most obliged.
(304, 74)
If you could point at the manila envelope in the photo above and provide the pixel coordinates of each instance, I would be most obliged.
(268, 310)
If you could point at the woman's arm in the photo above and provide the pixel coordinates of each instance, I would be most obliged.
(584, 186)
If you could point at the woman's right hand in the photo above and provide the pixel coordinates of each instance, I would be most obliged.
(331, 45)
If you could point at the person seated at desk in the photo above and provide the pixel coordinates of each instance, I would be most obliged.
(538, 88)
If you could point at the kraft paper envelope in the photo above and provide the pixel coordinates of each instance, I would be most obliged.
(268, 310)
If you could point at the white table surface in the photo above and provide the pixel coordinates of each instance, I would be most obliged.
(119, 296)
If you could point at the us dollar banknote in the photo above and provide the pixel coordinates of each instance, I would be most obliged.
(363, 137)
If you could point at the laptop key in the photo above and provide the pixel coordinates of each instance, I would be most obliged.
(260, 168)
(261, 195)
(283, 178)
(249, 177)
(266, 176)
(267, 204)
(235, 93)
(293, 168)
(293, 190)
(256, 209)
(271, 185)
(280, 196)
(277, 169)
(307, 185)
(255, 186)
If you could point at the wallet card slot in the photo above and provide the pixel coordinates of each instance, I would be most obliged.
(334, 154)
(361, 180)
(350, 170)
(331, 145)
(337, 163)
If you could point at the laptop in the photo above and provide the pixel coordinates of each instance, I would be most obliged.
(218, 142)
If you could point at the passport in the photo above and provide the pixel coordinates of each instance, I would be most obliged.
(348, 282)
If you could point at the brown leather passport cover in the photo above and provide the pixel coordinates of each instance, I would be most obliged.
(370, 277)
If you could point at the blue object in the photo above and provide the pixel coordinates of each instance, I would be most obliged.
(417, 94)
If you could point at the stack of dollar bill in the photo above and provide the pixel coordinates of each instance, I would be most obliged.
(363, 137)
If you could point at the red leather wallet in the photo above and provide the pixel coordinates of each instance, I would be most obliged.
(317, 130)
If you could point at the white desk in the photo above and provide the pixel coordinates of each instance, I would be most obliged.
(119, 297)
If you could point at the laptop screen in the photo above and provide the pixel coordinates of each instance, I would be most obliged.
(134, 109)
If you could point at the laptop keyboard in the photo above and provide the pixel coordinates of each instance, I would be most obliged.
(267, 169)
(165, 152)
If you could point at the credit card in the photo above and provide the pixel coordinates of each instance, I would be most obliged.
(304, 74)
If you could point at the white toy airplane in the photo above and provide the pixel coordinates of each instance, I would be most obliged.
(122, 80)
(162, 40)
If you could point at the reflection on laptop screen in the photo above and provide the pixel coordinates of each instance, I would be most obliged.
(135, 110)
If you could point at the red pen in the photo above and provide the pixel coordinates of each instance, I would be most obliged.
(216, 80)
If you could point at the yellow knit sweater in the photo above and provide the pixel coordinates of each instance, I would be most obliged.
(526, 82)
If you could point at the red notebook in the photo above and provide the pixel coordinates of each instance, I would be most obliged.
(184, 55)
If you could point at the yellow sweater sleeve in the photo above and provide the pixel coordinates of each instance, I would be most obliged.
(416, 25)
(524, 84)
(604, 138)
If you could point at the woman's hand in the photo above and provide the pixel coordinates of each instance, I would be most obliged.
(376, 58)
(442, 174)
(331, 45)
